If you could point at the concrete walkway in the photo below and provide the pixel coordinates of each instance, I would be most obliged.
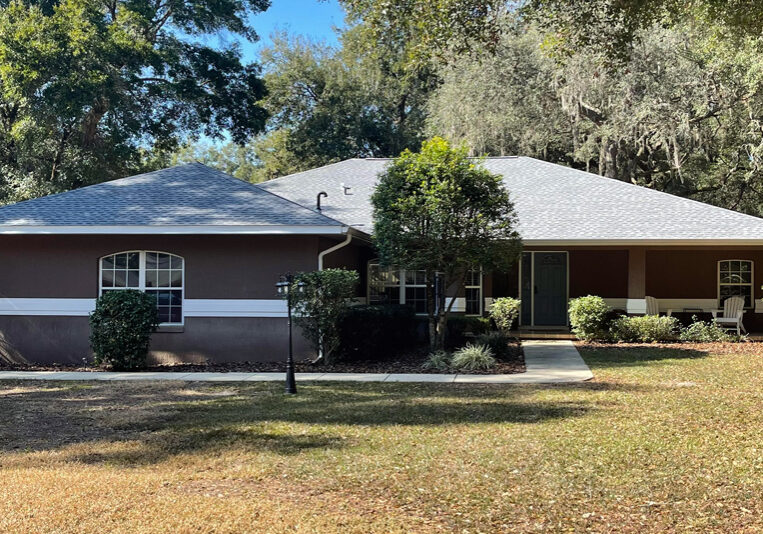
(547, 362)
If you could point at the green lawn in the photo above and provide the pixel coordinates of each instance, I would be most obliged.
(661, 440)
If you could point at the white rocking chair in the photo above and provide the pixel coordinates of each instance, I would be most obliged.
(733, 310)
(652, 306)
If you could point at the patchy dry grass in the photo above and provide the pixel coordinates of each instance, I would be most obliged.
(665, 439)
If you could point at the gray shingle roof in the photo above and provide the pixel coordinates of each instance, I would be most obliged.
(553, 203)
(191, 195)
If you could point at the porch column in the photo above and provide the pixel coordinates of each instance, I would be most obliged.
(636, 280)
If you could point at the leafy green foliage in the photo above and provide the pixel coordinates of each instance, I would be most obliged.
(426, 30)
(324, 299)
(441, 212)
(504, 311)
(589, 318)
(645, 329)
(439, 360)
(473, 358)
(121, 327)
(87, 87)
(377, 332)
(461, 328)
(680, 115)
(331, 104)
(498, 343)
(704, 332)
(614, 27)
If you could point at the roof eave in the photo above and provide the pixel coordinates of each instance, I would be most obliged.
(223, 229)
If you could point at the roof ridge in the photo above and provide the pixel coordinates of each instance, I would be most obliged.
(645, 188)
(307, 170)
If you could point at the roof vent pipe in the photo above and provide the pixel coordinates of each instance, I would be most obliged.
(318, 199)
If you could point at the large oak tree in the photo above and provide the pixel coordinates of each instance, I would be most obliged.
(89, 87)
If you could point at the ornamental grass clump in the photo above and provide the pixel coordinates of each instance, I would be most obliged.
(438, 361)
(121, 328)
(498, 343)
(473, 358)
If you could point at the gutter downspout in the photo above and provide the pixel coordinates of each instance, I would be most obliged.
(321, 255)
(336, 247)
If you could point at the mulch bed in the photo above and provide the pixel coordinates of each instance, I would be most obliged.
(407, 363)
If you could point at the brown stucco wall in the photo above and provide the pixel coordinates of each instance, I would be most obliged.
(217, 267)
(44, 339)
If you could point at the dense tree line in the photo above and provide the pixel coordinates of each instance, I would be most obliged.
(662, 93)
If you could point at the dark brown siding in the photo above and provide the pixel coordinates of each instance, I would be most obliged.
(599, 272)
(229, 339)
(217, 267)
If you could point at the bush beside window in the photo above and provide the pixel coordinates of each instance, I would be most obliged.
(461, 328)
(590, 318)
(377, 331)
(645, 329)
(324, 298)
(121, 327)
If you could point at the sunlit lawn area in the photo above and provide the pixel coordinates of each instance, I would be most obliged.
(662, 440)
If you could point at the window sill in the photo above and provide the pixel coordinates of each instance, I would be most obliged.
(170, 329)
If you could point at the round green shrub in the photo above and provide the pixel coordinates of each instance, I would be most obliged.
(121, 327)
(473, 358)
(504, 311)
(589, 318)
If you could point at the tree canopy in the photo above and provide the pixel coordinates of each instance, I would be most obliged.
(91, 90)
(441, 212)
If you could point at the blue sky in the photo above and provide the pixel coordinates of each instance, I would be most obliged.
(312, 18)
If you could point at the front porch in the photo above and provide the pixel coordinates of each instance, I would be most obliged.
(685, 281)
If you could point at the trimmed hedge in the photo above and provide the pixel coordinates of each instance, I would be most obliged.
(645, 329)
(121, 327)
(460, 325)
(377, 332)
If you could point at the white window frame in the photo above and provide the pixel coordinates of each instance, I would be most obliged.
(751, 284)
(142, 279)
(481, 298)
(403, 284)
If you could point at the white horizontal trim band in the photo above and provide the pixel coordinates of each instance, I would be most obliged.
(677, 305)
(11, 229)
(191, 307)
(234, 308)
(62, 307)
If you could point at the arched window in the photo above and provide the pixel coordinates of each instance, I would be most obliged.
(157, 273)
(735, 278)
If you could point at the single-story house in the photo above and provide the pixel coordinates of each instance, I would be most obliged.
(211, 248)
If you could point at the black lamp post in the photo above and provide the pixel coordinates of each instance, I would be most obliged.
(285, 287)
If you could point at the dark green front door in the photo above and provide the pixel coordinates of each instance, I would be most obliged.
(544, 289)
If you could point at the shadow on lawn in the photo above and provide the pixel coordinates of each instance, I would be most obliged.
(631, 355)
(140, 424)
